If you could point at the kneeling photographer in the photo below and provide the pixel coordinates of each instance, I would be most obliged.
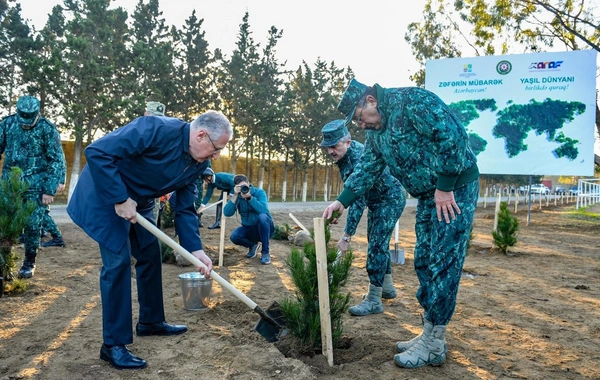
(256, 222)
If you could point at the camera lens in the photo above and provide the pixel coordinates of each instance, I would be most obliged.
(245, 189)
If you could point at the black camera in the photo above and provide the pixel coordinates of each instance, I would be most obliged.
(245, 189)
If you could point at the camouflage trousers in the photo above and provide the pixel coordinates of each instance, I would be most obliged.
(49, 225)
(440, 253)
(34, 224)
(382, 217)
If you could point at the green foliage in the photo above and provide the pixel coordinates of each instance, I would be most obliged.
(302, 311)
(506, 234)
(17, 285)
(282, 232)
(167, 253)
(167, 216)
(14, 214)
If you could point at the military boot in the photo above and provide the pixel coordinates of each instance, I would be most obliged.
(389, 291)
(57, 241)
(429, 349)
(371, 304)
(217, 223)
(28, 267)
(404, 345)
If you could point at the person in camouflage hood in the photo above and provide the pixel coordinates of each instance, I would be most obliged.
(415, 134)
(385, 201)
(31, 142)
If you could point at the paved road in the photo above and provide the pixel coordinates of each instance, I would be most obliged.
(59, 212)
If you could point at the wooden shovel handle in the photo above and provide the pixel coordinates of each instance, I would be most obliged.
(193, 259)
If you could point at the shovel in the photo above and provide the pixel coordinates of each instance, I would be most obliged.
(271, 323)
(397, 255)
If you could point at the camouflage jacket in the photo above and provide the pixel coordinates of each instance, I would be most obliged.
(36, 151)
(386, 188)
(421, 141)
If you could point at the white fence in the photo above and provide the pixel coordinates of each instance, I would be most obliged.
(588, 192)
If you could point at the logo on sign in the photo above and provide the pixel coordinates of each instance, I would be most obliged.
(545, 66)
(503, 67)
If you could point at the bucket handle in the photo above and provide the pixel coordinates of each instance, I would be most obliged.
(193, 259)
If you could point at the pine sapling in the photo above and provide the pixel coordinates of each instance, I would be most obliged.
(14, 214)
(302, 311)
(506, 234)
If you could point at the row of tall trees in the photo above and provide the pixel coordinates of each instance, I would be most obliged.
(94, 67)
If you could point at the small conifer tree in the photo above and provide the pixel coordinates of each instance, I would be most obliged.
(302, 312)
(14, 215)
(506, 234)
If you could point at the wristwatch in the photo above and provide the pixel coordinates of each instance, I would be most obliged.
(346, 238)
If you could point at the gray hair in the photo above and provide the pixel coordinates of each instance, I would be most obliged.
(346, 138)
(214, 123)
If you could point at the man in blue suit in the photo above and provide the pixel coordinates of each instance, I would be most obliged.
(126, 171)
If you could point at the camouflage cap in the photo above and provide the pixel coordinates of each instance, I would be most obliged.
(350, 99)
(155, 109)
(333, 132)
(28, 109)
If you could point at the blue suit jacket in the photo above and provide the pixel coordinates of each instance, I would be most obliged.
(143, 160)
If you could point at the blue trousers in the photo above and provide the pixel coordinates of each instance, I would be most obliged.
(247, 236)
(115, 286)
(440, 253)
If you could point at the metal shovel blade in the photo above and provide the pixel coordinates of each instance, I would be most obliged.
(271, 325)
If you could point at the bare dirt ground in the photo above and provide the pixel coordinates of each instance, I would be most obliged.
(531, 314)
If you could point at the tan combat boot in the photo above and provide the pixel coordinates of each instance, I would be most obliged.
(371, 304)
(389, 291)
(427, 349)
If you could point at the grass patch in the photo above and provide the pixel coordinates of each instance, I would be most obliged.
(585, 213)
(17, 286)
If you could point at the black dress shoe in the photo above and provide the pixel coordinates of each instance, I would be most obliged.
(121, 358)
(159, 328)
(216, 225)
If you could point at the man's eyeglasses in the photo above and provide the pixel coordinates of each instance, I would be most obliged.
(213, 144)
(362, 106)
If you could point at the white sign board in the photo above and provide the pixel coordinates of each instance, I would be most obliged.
(529, 114)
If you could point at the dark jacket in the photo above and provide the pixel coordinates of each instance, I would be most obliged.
(143, 160)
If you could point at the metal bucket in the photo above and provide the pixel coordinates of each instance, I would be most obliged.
(195, 290)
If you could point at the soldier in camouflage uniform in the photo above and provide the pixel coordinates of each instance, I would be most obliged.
(385, 200)
(49, 225)
(411, 131)
(32, 143)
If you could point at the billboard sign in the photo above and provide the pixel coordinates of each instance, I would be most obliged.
(527, 114)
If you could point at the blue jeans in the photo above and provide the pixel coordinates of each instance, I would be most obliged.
(247, 236)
